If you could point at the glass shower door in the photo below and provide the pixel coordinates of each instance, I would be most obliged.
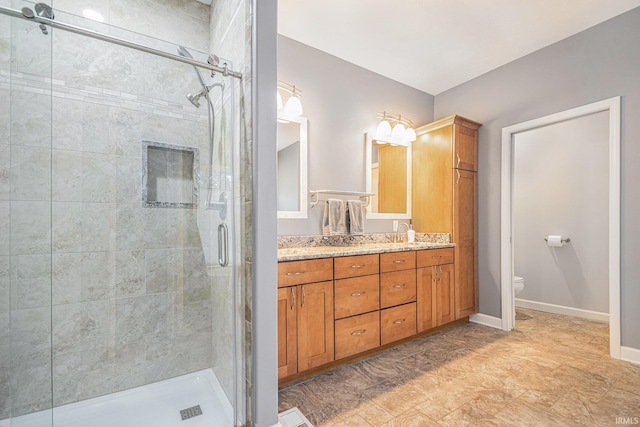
(118, 295)
(25, 221)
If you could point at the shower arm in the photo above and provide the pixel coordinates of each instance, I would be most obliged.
(224, 70)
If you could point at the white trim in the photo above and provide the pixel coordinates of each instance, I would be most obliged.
(629, 354)
(562, 309)
(486, 320)
(613, 106)
(304, 167)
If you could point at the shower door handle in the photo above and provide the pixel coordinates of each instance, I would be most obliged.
(223, 245)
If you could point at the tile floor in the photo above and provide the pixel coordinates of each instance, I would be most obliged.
(551, 370)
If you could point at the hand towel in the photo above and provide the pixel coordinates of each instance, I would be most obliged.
(334, 220)
(356, 219)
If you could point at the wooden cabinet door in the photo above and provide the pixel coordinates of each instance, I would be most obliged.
(444, 294)
(431, 199)
(315, 325)
(426, 303)
(287, 332)
(465, 148)
(464, 235)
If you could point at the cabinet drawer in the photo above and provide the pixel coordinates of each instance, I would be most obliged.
(398, 322)
(395, 261)
(359, 265)
(307, 271)
(398, 287)
(357, 334)
(357, 295)
(435, 257)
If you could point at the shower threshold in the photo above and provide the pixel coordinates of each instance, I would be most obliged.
(158, 404)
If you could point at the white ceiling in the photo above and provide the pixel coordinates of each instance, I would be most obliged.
(434, 45)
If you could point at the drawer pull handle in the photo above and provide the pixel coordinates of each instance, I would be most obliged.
(357, 294)
(436, 256)
(399, 321)
(297, 273)
(399, 261)
(400, 286)
(357, 266)
(358, 333)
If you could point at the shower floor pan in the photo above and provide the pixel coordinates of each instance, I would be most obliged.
(158, 405)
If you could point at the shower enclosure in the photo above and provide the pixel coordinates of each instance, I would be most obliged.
(120, 292)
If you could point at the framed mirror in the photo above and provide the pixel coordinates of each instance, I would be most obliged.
(388, 176)
(292, 167)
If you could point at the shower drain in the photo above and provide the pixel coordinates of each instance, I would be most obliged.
(194, 411)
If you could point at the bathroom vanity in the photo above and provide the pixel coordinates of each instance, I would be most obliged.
(339, 304)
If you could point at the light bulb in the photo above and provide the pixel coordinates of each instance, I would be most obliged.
(410, 135)
(384, 129)
(279, 100)
(398, 131)
(293, 107)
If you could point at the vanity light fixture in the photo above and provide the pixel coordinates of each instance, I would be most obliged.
(401, 133)
(293, 106)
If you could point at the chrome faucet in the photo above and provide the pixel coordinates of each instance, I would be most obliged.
(398, 237)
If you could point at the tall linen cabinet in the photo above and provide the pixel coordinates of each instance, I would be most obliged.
(445, 197)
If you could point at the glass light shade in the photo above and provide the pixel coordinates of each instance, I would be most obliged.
(293, 107)
(384, 129)
(279, 100)
(398, 131)
(410, 135)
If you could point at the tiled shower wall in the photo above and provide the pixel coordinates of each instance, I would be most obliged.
(116, 295)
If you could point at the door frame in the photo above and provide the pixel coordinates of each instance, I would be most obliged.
(612, 105)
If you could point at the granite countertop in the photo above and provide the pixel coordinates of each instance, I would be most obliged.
(313, 252)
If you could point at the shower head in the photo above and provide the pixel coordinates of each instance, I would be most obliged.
(182, 51)
(195, 99)
(44, 10)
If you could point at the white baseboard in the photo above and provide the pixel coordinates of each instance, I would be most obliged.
(486, 320)
(629, 354)
(561, 309)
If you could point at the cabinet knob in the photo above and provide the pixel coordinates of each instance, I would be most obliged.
(399, 261)
(404, 285)
(399, 321)
(357, 294)
(358, 333)
(357, 266)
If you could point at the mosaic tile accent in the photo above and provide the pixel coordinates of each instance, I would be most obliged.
(192, 174)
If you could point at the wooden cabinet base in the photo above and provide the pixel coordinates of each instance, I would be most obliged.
(302, 375)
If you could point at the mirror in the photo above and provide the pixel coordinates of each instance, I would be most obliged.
(292, 167)
(388, 176)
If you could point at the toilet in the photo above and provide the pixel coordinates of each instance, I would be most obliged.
(518, 285)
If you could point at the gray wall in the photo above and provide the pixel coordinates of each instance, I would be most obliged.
(561, 186)
(599, 63)
(341, 101)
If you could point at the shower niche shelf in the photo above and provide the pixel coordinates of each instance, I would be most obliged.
(169, 175)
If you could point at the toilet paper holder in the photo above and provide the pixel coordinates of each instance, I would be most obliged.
(563, 240)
